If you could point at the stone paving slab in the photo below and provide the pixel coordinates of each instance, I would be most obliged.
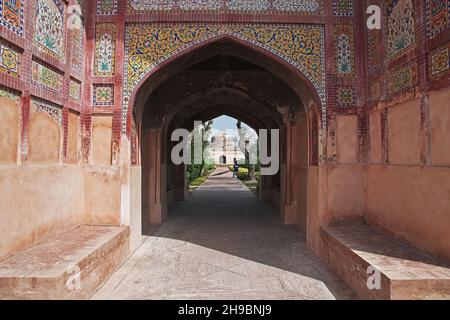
(406, 272)
(87, 253)
(223, 243)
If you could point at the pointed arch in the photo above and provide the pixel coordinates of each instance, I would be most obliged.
(280, 65)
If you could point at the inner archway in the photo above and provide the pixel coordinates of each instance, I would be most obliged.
(226, 78)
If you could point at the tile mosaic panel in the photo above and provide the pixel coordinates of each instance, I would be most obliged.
(106, 7)
(103, 95)
(439, 61)
(74, 90)
(374, 39)
(49, 27)
(77, 49)
(438, 16)
(9, 93)
(300, 6)
(11, 15)
(344, 49)
(401, 33)
(248, 5)
(343, 7)
(402, 79)
(46, 77)
(53, 110)
(148, 45)
(105, 47)
(200, 4)
(346, 97)
(9, 60)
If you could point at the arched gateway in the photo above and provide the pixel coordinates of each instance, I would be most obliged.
(90, 92)
(291, 109)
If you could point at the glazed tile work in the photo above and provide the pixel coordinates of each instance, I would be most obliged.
(77, 49)
(49, 28)
(106, 7)
(12, 15)
(346, 97)
(53, 110)
(200, 4)
(105, 37)
(438, 12)
(300, 6)
(8, 93)
(247, 5)
(401, 33)
(103, 95)
(46, 77)
(344, 49)
(402, 79)
(147, 46)
(439, 61)
(74, 90)
(343, 7)
(9, 60)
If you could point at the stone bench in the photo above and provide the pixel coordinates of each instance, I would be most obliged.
(359, 253)
(69, 266)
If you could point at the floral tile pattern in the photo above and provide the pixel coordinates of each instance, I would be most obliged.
(74, 90)
(53, 110)
(402, 79)
(401, 33)
(300, 6)
(103, 95)
(106, 7)
(105, 47)
(77, 49)
(9, 60)
(49, 28)
(303, 6)
(9, 93)
(344, 49)
(343, 7)
(248, 5)
(440, 61)
(148, 45)
(11, 15)
(46, 77)
(346, 97)
(438, 12)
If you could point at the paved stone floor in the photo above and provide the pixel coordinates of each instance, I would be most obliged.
(223, 243)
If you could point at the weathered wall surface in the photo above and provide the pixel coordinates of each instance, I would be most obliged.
(58, 198)
(334, 193)
(403, 196)
(101, 140)
(37, 202)
(9, 129)
(440, 123)
(412, 203)
(346, 139)
(102, 195)
(73, 138)
(44, 139)
(410, 200)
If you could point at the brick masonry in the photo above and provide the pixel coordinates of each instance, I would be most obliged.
(377, 79)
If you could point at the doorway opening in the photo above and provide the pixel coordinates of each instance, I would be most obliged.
(231, 79)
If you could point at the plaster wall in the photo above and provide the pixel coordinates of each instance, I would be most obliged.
(101, 139)
(406, 199)
(44, 139)
(57, 198)
(9, 130)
